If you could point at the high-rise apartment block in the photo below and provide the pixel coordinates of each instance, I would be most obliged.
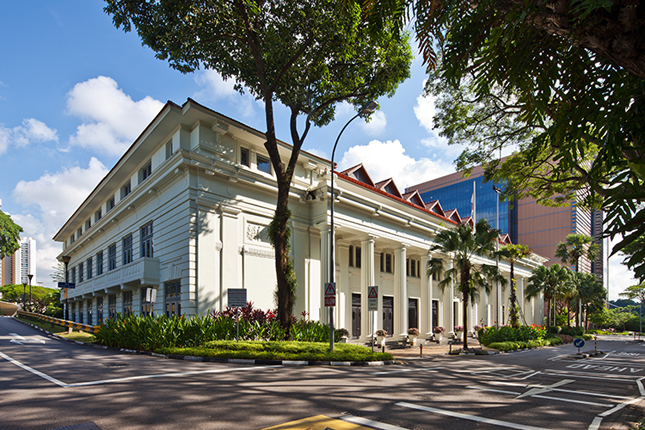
(17, 267)
(526, 222)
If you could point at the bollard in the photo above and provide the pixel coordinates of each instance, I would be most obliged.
(595, 343)
(421, 351)
(382, 348)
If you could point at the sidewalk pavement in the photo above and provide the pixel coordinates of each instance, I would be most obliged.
(428, 350)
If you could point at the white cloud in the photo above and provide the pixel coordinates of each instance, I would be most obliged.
(425, 111)
(112, 119)
(385, 160)
(31, 131)
(318, 152)
(377, 124)
(56, 196)
(619, 276)
(214, 88)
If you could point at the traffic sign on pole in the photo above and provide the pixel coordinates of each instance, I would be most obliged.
(372, 298)
(330, 294)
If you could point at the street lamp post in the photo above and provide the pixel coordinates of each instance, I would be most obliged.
(368, 108)
(66, 260)
(24, 294)
(497, 191)
(31, 303)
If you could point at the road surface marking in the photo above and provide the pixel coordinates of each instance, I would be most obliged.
(595, 424)
(492, 390)
(34, 371)
(322, 422)
(130, 378)
(541, 389)
(582, 402)
(429, 369)
(468, 417)
(603, 376)
(19, 339)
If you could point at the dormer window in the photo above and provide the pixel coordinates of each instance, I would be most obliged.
(264, 164)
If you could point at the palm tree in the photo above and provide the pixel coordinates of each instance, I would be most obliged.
(636, 292)
(463, 244)
(514, 253)
(550, 281)
(572, 249)
(591, 293)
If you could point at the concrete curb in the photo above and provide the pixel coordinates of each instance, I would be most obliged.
(258, 362)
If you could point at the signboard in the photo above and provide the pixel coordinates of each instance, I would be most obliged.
(578, 343)
(66, 285)
(236, 297)
(151, 295)
(330, 294)
(372, 298)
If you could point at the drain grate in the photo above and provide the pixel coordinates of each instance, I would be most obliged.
(116, 364)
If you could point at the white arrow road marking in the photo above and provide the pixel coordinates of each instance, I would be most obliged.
(540, 389)
(19, 339)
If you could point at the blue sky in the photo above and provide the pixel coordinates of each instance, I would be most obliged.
(75, 92)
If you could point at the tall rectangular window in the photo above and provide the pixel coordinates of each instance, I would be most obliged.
(90, 316)
(112, 306)
(81, 274)
(79, 232)
(109, 205)
(351, 255)
(88, 224)
(97, 215)
(146, 306)
(126, 189)
(147, 246)
(72, 275)
(172, 298)
(358, 257)
(168, 149)
(127, 249)
(145, 172)
(388, 263)
(99, 263)
(80, 312)
(244, 157)
(99, 310)
(112, 257)
(264, 164)
(127, 303)
(88, 264)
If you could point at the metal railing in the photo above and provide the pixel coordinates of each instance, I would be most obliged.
(92, 329)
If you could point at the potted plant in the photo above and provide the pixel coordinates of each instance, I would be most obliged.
(380, 335)
(438, 332)
(343, 335)
(459, 329)
(413, 333)
(476, 329)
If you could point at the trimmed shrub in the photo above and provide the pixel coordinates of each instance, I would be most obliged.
(489, 335)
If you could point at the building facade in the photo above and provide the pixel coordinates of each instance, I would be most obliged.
(17, 267)
(185, 212)
(539, 227)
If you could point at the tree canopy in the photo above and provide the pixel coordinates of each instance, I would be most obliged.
(560, 82)
(9, 235)
(465, 244)
(306, 54)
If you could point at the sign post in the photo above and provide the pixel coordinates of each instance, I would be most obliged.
(579, 343)
(330, 301)
(237, 300)
(372, 306)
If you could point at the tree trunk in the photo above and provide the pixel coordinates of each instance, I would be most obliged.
(465, 319)
(281, 245)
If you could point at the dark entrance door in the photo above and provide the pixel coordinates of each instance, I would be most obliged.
(435, 314)
(356, 316)
(413, 313)
(388, 315)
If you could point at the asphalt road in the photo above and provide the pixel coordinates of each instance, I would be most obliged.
(46, 383)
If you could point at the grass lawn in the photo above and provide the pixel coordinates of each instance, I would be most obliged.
(297, 351)
(59, 330)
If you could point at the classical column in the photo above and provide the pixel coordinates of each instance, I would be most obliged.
(324, 272)
(426, 298)
(343, 294)
(368, 279)
(450, 327)
(230, 254)
(400, 294)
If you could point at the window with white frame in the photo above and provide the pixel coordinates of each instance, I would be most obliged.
(264, 164)
(147, 245)
(127, 249)
(168, 149)
(145, 172)
(245, 157)
(109, 205)
(112, 257)
(99, 263)
(88, 265)
(97, 215)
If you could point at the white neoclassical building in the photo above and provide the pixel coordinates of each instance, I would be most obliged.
(185, 212)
